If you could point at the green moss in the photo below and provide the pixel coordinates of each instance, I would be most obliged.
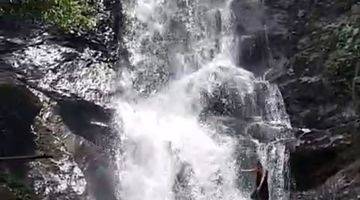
(69, 15)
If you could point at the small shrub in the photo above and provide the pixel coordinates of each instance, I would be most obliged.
(69, 15)
(342, 61)
(349, 39)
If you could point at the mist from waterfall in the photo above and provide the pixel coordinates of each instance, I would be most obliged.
(189, 117)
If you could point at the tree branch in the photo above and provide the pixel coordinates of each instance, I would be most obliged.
(30, 157)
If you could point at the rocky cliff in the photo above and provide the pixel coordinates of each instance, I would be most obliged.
(54, 87)
(319, 84)
(309, 48)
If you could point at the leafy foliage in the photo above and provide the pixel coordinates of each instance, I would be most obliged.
(342, 61)
(69, 15)
(349, 39)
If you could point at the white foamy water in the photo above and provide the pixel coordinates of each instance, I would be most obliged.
(182, 69)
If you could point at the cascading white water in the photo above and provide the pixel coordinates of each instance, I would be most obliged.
(173, 144)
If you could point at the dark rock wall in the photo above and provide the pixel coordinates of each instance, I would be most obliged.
(310, 49)
(18, 109)
(53, 91)
(322, 110)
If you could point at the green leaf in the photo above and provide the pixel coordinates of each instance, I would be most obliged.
(355, 31)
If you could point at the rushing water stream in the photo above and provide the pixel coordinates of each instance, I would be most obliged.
(190, 118)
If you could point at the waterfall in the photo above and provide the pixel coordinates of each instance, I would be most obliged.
(189, 117)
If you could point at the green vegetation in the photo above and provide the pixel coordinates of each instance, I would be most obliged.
(342, 62)
(69, 15)
(331, 48)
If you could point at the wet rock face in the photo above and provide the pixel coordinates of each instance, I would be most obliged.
(253, 52)
(68, 77)
(262, 31)
(324, 118)
(72, 75)
(18, 108)
(287, 43)
(87, 120)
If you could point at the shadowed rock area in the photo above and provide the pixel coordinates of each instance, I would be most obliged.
(18, 108)
(320, 95)
(309, 48)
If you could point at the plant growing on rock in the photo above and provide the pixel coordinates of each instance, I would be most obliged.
(343, 60)
(69, 15)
